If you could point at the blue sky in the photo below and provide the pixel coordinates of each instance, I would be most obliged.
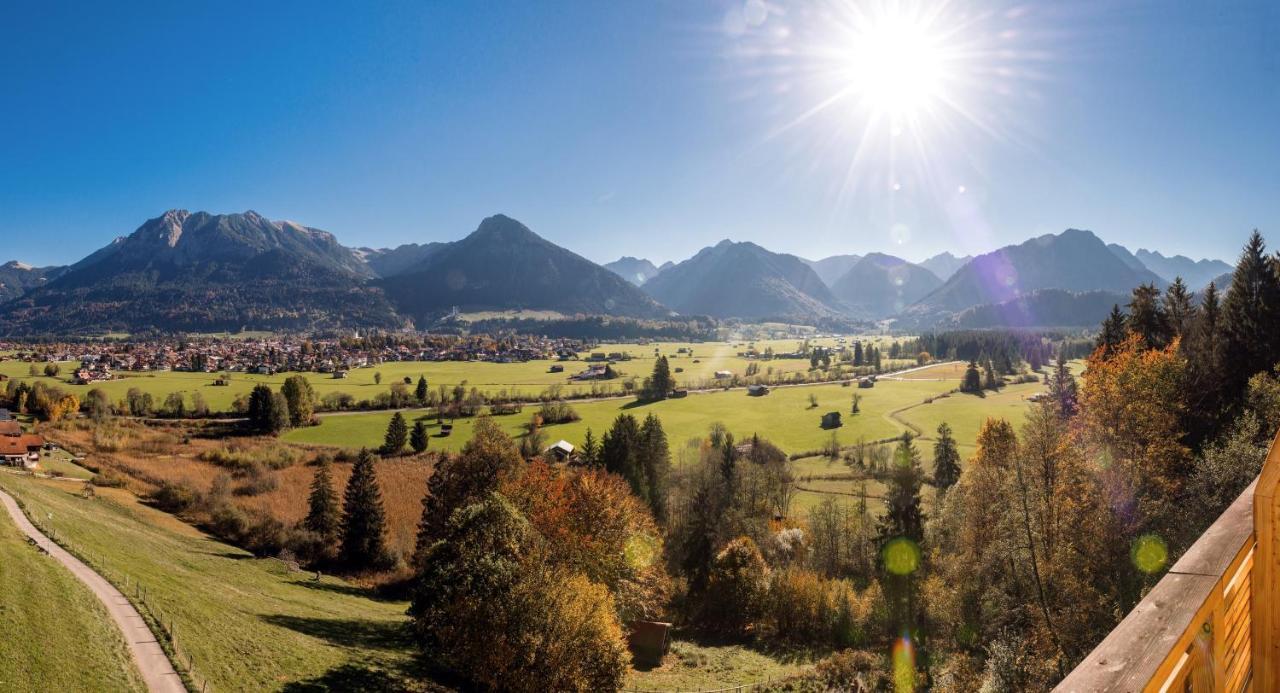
(639, 128)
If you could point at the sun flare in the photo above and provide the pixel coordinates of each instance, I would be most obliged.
(895, 64)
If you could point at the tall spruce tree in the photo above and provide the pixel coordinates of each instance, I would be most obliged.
(397, 435)
(656, 462)
(903, 515)
(1147, 318)
(1063, 392)
(420, 392)
(1113, 330)
(659, 384)
(1180, 309)
(323, 516)
(1251, 319)
(619, 453)
(418, 437)
(363, 518)
(972, 381)
(589, 453)
(946, 460)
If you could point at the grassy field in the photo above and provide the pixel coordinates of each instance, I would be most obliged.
(250, 624)
(54, 634)
(526, 379)
(692, 666)
(784, 416)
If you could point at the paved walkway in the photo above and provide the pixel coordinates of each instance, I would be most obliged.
(157, 672)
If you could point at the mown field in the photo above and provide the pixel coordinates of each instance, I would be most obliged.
(250, 624)
(785, 416)
(54, 634)
(525, 379)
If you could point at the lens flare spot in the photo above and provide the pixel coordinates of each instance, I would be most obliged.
(904, 665)
(900, 234)
(1149, 553)
(901, 556)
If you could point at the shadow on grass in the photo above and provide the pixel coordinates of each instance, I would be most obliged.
(349, 677)
(347, 632)
(783, 652)
(349, 590)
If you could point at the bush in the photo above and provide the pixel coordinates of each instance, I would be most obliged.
(851, 670)
(240, 457)
(107, 479)
(258, 481)
(557, 412)
(173, 498)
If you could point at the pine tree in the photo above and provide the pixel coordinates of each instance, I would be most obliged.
(875, 354)
(1251, 319)
(989, 381)
(260, 406)
(946, 460)
(418, 438)
(363, 517)
(323, 517)
(397, 435)
(1147, 318)
(1113, 330)
(1179, 307)
(659, 384)
(420, 392)
(857, 353)
(589, 453)
(301, 397)
(619, 453)
(1063, 393)
(656, 462)
(972, 379)
(903, 516)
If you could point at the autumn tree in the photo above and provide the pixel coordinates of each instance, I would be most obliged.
(301, 396)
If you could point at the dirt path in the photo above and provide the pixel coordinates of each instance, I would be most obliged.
(157, 672)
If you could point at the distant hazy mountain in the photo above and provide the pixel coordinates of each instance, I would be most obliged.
(635, 270)
(743, 280)
(945, 264)
(880, 285)
(198, 272)
(1073, 260)
(829, 269)
(503, 265)
(1043, 308)
(388, 262)
(1193, 272)
(1222, 282)
(17, 278)
(1127, 257)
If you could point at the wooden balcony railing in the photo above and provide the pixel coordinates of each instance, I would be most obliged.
(1210, 624)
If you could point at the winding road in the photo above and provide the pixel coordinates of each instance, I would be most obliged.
(154, 665)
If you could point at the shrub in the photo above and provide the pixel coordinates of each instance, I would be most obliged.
(557, 412)
(173, 498)
(107, 479)
(241, 457)
(258, 481)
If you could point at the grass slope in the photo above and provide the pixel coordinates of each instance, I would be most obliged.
(250, 624)
(54, 634)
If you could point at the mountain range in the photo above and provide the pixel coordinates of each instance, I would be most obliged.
(185, 271)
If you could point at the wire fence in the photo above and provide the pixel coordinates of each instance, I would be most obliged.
(162, 625)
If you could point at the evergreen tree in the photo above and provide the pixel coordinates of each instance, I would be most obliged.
(397, 435)
(1179, 309)
(1063, 393)
(1147, 318)
(656, 462)
(259, 413)
(418, 438)
(619, 453)
(1113, 330)
(420, 392)
(875, 355)
(1251, 319)
(972, 379)
(857, 353)
(589, 453)
(989, 381)
(946, 460)
(363, 518)
(301, 397)
(323, 517)
(1204, 370)
(903, 516)
(659, 384)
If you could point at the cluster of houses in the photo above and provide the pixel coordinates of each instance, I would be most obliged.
(18, 449)
(99, 361)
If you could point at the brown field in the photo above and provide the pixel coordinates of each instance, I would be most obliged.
(147, 457)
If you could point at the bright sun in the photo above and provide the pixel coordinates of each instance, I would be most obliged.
(895, 64)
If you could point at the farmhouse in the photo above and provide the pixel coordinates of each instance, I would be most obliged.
(562, 451)
(22, 450)
(592, 373)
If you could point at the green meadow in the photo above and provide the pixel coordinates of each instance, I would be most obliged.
(54, 634)
(248, 623)
(526, 379)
